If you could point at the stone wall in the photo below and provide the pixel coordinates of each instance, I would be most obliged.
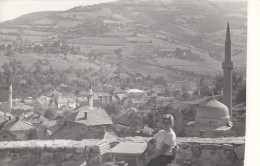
(209, 152)
(49, 153)
(193, 152)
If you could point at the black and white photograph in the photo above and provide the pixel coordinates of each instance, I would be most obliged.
(129, 82)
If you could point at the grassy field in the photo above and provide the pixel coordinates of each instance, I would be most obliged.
(134, 67)
(197, 67)
(3, 30)
(32, 38)
(98, 41)
(82, 15)
(67, 24)
(45, 21)
(36, 33)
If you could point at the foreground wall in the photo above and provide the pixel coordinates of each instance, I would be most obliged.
(211, 152)
(193, 152)
(49, 153)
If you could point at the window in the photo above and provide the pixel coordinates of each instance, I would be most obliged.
(4, 136)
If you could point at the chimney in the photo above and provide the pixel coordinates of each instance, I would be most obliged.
(104, 128)
(85, 115)
(10, 101)
(90, 97)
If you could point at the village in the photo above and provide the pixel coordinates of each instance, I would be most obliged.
(109, 113)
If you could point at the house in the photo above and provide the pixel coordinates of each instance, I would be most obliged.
(157, 91)
(66, 103)
(17, 108)
(21, 107)
(83, 95)
(78, 131)
(82, 100)
(53, 94)
(35, 119)
(130, 120)
(135, 101)
(138, 78)
(108, 87)
(45, 102)
(121, 97)
(136, 93)
(104, 97)
(19, 128)
(7, 136)
(92, 116)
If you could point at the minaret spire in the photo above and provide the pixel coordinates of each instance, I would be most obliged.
(228, 45)
(90, 102)
(10, 101)
(227, 67)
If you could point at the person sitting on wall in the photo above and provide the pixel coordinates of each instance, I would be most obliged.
(165, 143)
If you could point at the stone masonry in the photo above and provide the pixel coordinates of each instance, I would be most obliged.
(227, 151)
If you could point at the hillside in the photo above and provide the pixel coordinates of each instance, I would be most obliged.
(154, 37)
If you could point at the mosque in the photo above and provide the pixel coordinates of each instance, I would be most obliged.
(214, 118)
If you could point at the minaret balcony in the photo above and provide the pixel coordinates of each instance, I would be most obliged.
(227, 65)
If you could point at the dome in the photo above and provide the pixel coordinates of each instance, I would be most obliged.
(212, 113)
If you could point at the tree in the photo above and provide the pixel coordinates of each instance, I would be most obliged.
(7, 74)
(241, 95)
(49, 114)
(118, 53)
(160, 81)
(218, 82)
(31, 134)
(178, 51)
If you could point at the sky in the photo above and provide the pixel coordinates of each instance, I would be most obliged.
(10, 9)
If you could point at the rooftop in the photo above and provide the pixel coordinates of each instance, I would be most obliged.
(95, 116)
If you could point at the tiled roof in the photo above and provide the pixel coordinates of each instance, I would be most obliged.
(95, 116)
(49, 124)
(126, 120)
(129, 111)
(65, 100)
(121, 96)
(21, 106)
(76, 131)
(137, 101)
(103, 94)
(135, 91)
(2, 114)
(4, 132)
(3, 120)
(18, 125)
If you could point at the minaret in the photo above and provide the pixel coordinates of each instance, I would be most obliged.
(90, 98)
(227, 67)
(10, 101)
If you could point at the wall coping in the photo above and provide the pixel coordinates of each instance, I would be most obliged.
(41, 144)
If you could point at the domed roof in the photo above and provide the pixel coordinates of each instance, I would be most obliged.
(212, 109)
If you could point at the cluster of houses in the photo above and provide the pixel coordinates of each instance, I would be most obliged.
(83, 115)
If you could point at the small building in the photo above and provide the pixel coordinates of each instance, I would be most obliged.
(108, 88)
(78, 131)
(93, 116)
(66, 103)
(104, 97)
(129, 121)
(19, 128)
(7, 136)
